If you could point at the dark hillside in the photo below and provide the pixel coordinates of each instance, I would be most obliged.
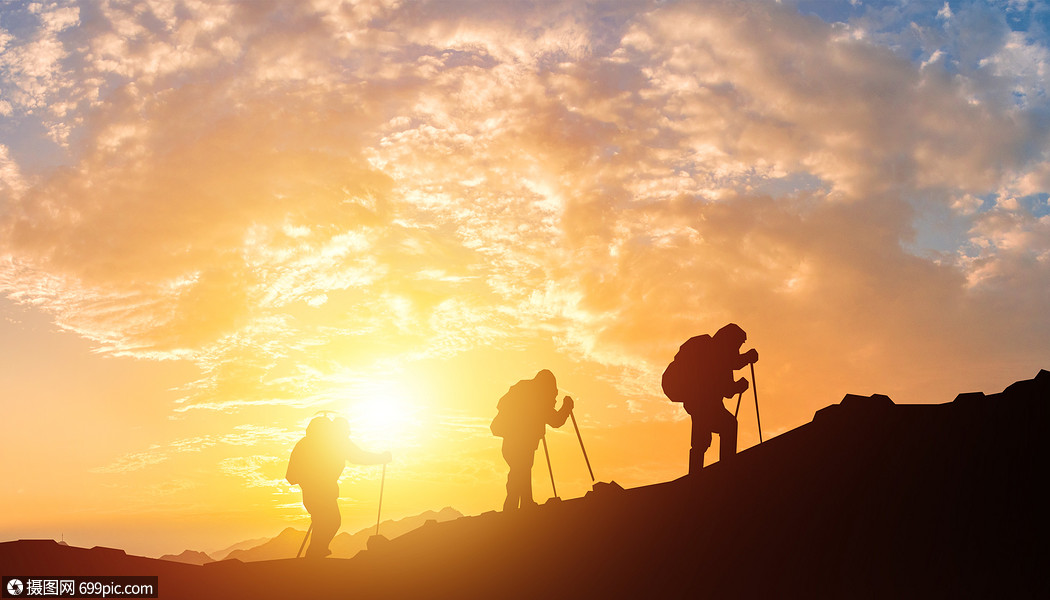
(869, 500)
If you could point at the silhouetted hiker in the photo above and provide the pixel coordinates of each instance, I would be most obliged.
(524, 413)
(700, 377)
(317, 462)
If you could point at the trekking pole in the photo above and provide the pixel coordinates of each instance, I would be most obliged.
(305, 537)
(754, 386)
(579, 437)
(548, 455)
(737, 411)
(382, 482)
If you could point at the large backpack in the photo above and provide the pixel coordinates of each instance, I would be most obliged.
(508, 410)
(296, 468)
(682, 377)
(517, 412)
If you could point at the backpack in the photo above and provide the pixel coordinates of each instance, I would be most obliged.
(498, 427)
(682, 377)
(505, 409)
(515, 411)
(296, 468)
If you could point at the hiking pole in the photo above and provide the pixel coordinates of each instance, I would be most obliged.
(382, 482)
(548, 455)
(305, 537)
(754, 387)
(579, 437)
(737, 411)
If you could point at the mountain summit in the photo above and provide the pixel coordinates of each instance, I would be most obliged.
(870, 499)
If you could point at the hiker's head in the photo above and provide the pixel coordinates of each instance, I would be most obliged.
(731, 335)
(546, 380)
(319, 427)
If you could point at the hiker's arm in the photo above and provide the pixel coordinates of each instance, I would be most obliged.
(745, 359)
(741, 386)
(558, 417)
(358, 456)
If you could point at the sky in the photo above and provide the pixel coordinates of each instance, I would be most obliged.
(219, 218)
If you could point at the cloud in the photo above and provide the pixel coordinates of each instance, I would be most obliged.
(11, 181)
(254, 470)
(133, 462)
(277, 191)
(241, 435)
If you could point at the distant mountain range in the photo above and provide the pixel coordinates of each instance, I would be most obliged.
(286, 543)
(871, 499)
(190, 557)
(242, 545)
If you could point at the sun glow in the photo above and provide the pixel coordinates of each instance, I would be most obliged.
(383, 415)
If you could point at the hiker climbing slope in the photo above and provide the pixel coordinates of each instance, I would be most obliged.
(316, 463)
(524, 413)
(700, 377)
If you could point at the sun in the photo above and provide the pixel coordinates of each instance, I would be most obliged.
(383, 414)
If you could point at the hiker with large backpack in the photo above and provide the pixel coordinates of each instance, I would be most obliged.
(522, 418)
(316, 463)
(701, 377)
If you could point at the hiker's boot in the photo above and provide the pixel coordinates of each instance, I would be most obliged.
(312, 552)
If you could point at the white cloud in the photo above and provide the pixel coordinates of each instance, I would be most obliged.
(251, 183)
(11, 181)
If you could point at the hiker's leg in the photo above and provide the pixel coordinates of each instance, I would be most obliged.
(512, 495)
(512, 501)
(323, 505)
(527, 458)
(700, 440)
(519, 479)
(725, 426)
